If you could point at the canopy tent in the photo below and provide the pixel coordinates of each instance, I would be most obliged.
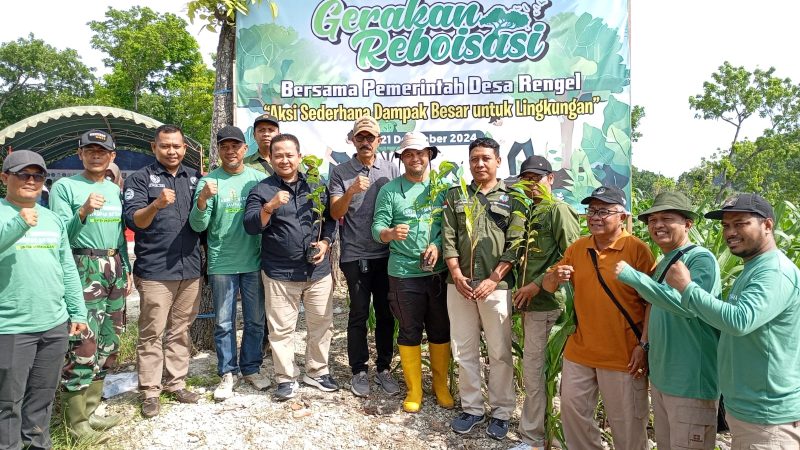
(55, 133)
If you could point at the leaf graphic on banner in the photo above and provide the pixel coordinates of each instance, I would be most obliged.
(618, 114)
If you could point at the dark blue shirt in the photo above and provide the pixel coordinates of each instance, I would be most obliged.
(168, 249)
(290, 230)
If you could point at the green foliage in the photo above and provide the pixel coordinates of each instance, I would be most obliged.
(35, 77)
(432, 201)
(312, 164)
(530, 213)
(217, 12)
(556, 342)
(637, 114)
(473, 211)
(645, 181)
(146, 51)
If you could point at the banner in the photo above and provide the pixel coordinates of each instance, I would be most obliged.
(540, 77)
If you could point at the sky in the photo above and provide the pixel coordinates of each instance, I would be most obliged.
(675, 47)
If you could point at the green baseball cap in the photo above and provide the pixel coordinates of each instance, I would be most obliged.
(670, 201)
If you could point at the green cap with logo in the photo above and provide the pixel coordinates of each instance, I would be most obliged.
(670, 201)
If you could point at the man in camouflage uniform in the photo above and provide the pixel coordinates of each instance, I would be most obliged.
(91, 208)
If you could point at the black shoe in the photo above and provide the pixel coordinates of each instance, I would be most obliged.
(286, 390)
(465, 422)
(324, 383)
(497, 428)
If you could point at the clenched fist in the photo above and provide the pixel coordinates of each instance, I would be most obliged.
(361, 184)
(209, 190)
(94, 202)
(400, 232)
(280, 199)
(30, 216)
(166, 198)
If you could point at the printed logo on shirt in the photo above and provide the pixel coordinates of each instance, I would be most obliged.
(38, 240)
(155, 179)
(233, 202)
(128, 194)
(503, 198)
(108, 214)
(193, 180)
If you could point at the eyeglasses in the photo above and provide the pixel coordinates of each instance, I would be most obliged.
(360, 138)
(533, 178)
(602, 213)
(25, 176)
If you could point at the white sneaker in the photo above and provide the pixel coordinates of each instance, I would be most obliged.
(258, 381)
(225, 389)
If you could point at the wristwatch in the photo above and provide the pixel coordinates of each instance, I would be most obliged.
(645, 346)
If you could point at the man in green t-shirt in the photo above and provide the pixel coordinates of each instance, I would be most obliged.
(91, 208)
(40, 304)
(411, 222)
(758, 353)
(556, 226)
(233, 262)
(682, 348)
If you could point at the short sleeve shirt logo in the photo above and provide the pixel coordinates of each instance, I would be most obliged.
(155, 179)
(128, 194)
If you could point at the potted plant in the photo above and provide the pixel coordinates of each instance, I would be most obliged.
(311, 163)
(432, 202)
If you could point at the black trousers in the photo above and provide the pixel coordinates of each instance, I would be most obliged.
(420, 303)
(30, 368)
(363, 286)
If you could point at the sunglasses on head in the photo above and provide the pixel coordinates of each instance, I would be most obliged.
(25, 176)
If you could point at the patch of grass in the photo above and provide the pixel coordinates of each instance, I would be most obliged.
(127, 345)
(205, 381)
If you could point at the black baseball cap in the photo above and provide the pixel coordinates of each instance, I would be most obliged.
(536, 164)
(20, 159)
(607, 194)
(752, 203)
(267, 118)
(230, 132)
(98, 137)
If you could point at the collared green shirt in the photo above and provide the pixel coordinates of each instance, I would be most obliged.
(555, 231)
(493, 244)
(258, 162)
(683, 348)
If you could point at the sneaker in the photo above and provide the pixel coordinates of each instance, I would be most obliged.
(387, 382)
(286, 390)
(324, 383)
(465, 422)
(497, 429)
(224, 390)
(258, 381)
(359, 385)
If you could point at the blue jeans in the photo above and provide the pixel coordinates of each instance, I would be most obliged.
(224, 289)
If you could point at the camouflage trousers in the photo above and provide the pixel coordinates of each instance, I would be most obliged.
(95, 351)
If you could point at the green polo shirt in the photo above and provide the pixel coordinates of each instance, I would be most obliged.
(555, 230)
(401, 201)
(759, 352)
(258, 162)
(683, 348)
(231, 249)
(103, 229)
(493, 244)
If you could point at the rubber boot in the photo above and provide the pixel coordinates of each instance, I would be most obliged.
(440, 366)
(94, 394)
(411, 360)
(74, 407)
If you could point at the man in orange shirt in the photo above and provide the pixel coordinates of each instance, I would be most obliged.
(608, 351)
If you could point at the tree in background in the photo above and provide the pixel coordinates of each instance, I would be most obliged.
(35, 77)
(221, 14)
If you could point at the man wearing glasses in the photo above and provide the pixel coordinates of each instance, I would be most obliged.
(556, 228)
(40, 304)
(91, 208)
(233, 262)
(608, 351)
(354, 186)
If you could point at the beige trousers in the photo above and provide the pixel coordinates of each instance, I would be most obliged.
(537, 329)
(748, 436)
(624, 399)
(467, 317)
(682, 422)
(283, 305)
(167, 309)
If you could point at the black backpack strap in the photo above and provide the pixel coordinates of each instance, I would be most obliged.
(610, 294)
(498, 220)
(673, 261)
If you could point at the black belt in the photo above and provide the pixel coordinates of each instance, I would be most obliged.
(95, 251)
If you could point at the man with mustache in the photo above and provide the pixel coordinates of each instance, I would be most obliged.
(354, 186)
(758, 353)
